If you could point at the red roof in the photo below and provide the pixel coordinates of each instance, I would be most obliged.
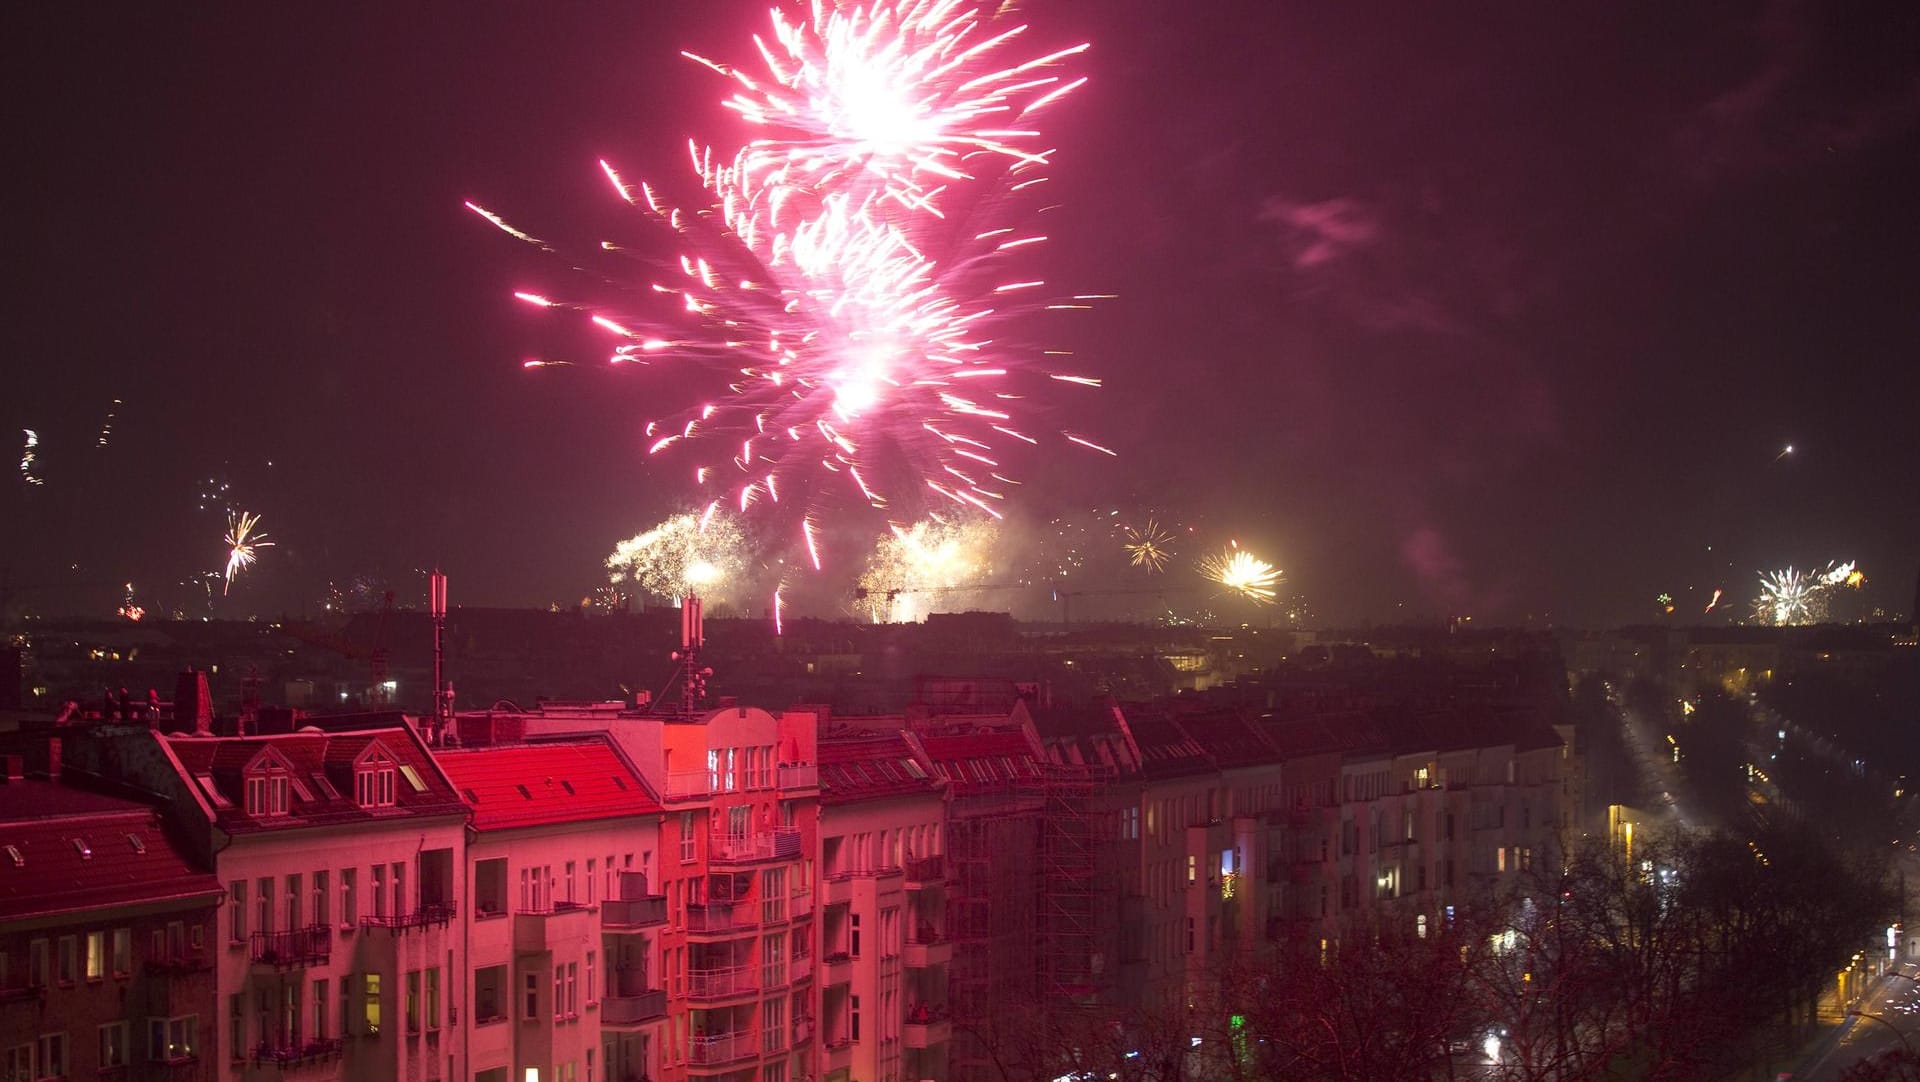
(861, 765)
(988, 758)
(127, 858)
(522, 785)
(321, 767)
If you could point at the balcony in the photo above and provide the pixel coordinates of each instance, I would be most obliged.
(633, 914)
(926, 1026)
(927, 948)
(711, 984)
(726, 1048)
(538, 931)
(836, 967)
(925, 871)
(430, 914)
(297, 1054)
(780, 843)
(309, 946)
(723, 918)
(799, 776)
(800, 906)
(620, 1012)
(688, 785)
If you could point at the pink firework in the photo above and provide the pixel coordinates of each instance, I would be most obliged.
(857, 315)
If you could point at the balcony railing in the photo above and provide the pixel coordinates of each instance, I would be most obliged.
(290, 1054)
(429, 913)
(309, 946)
(799, 776)
(722, 983)
(633, 912)
(931, 869)
(634, 1010)
(780, 843)
(723, 1049)
(689, 785)
(723, 917)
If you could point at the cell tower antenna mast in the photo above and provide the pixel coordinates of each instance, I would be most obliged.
(442, 693)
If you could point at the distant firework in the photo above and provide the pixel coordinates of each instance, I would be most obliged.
(1243, 573)
(843, 282)
(911, 566)
(1790, 597)
(243, 540)
(1716, 601)
(129, 608)
(1148, 547)
(685, 554)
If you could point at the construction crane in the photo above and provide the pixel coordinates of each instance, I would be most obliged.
(374, 653)
(1066, 596)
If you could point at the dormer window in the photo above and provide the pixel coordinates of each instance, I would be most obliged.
(373, 780)
(267, 783)
(267, 793)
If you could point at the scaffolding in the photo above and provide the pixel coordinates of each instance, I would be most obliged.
(991, 896)
(1068, 938)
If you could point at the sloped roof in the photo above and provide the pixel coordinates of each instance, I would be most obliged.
(128, 858)
(321, 767)
(522, 785)
(983, 758)
(863, 765)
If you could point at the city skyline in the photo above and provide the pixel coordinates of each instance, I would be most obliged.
(1483, 314)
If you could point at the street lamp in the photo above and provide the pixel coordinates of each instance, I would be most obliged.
(1897, 1031)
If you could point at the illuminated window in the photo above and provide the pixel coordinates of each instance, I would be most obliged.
(1193, 868)
(373, 779)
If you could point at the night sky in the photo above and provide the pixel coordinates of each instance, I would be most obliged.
(1449, 308)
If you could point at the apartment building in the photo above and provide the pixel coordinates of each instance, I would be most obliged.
(106, 930)
(740, 791)
(561, 931)
(340, 853)
(883, 949)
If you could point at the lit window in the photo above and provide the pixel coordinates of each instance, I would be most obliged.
(373, 779)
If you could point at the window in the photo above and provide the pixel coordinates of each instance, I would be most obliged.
(19, 1063)
(371, 989)
(1193, 868)
(573, 989)
(413, 1001)
(267, 792)
(1189, 935)
(237, 905)
(320, 1009)
(773, 1015)
(320, 903)
(853, 1017)
(773, 961)
(379, 889)
(530, 997)
(173, 1040)
(38, 971)
(236, 1028)
(113, 1045)
(686, 837)
(96, 955)
(414, 780)
(569, 882)
(349, 897)
(122, 951)
(559, 992)
(853, 935)
(69, 958)
(346, 1005)
(593, 990)
(1500, 859)
(373, 779)
(53, 1056)
(433, 996)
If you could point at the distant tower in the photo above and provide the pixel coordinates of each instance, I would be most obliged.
(442, 694)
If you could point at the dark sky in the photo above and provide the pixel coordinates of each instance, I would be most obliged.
(1462, 308)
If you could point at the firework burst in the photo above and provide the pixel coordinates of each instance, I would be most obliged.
(1243, 573)
(686, 554)
(859, 329)
(244, 539)
(1148, 547)
(910, 565)
(1789, 597)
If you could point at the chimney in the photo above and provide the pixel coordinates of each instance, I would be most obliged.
(193, 702)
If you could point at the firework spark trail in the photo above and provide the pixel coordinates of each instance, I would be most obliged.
(687, 553)
(30, 458)
(1789, 597)
(859, 325)
(243, 540)
(1243, 573)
